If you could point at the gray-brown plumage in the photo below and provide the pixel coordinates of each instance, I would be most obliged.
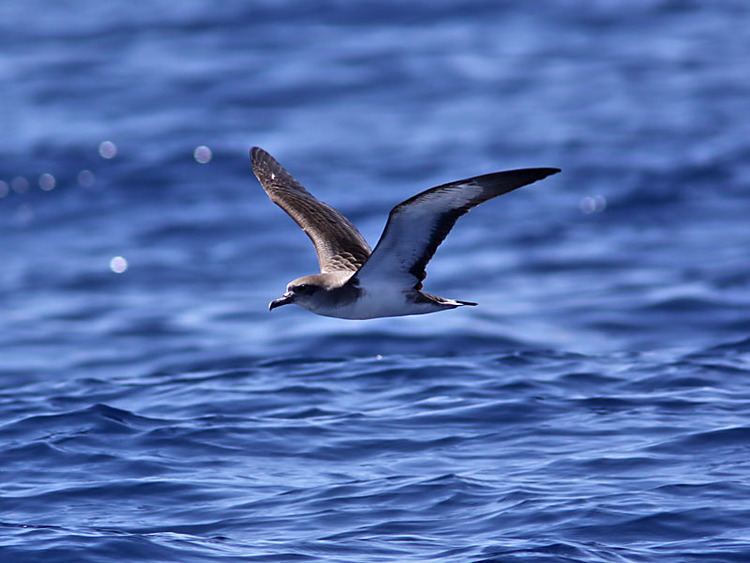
(356, 283)
(338, 243)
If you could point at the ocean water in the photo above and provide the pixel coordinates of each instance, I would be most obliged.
(594, 407)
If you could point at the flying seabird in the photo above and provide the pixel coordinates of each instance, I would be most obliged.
(358, 283)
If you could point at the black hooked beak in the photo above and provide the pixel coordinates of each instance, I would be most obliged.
(285, 299)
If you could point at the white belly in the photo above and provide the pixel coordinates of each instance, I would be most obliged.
(373, 304)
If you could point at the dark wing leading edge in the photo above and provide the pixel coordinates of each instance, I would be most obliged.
(338, 243)
(417, 226)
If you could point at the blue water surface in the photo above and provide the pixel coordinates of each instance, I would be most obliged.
(594, 407)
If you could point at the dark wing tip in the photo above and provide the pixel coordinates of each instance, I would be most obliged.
(259, 157)
(539, 173)
(503, 182)
(268, 170)
(499, 183)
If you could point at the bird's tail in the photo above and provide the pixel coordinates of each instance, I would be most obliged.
(422, 297)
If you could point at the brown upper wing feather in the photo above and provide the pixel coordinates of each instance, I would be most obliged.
(338, 243)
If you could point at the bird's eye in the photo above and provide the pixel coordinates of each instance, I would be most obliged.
(304, 289)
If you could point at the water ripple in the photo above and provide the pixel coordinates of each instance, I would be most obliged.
(594, 407)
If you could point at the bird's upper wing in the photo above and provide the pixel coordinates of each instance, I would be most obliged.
(417, 226)
(338, 243)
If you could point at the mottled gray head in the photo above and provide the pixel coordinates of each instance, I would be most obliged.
(304, 291)
(316, 291)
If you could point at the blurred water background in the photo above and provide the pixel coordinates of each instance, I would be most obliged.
(594, 407)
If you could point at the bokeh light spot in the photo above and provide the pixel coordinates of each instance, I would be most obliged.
(86, 179)
(202, 154)
(118, 265)
(107, 149)
(592, 204)
(19, 184)
(47, 182)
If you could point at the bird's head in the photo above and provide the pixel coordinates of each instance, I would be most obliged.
(304, 291)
